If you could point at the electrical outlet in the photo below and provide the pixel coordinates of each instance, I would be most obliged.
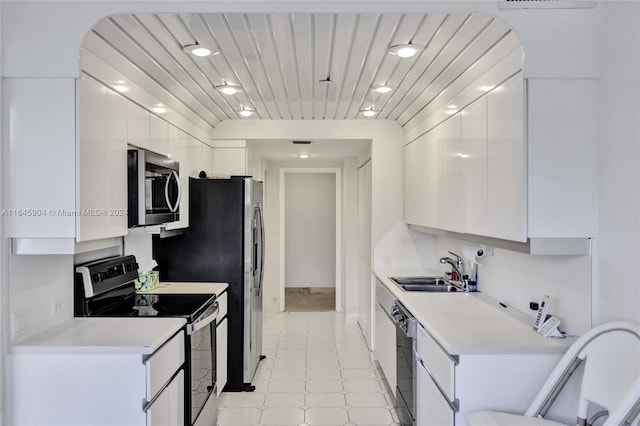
(387, 260)
(56, 307)
(19, 325)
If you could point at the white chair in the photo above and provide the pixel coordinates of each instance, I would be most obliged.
(611, 381)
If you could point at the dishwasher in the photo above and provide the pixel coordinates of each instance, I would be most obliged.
(406, 332)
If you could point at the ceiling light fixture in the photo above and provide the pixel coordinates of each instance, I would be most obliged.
(199, 50)
(228, 89)
(381, 88)
(405, 50)
(304, 156)
(245, 112)
(369, 112)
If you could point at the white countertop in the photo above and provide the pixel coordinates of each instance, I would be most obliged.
(102, 336)
(189, 288)
(471, 323)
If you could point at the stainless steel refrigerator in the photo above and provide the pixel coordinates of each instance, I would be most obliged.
(224, 243)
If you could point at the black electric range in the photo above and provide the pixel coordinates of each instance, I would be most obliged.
(105, 288)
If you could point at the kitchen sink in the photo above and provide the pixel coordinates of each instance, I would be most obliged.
(429, 284)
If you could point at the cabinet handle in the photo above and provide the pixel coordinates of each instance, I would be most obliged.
(455, 404)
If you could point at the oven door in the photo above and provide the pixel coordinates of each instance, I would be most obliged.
(203, 407)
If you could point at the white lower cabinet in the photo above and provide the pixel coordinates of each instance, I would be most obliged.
(449, 386)
(385, 336)
(431, 407)
(168, 408)
(89, 386)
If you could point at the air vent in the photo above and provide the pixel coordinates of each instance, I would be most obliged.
(547, 4)
(301, 142)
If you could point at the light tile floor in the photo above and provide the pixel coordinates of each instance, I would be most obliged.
(317, 373)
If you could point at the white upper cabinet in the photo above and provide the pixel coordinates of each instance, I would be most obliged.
(92, 155)
(102, 162)
(158, 135)
(474, 159)
(39, 122)
(416, 195)
(451, 207)
(562, 144)
(116, 179)
(506, 162)
(138, 126)
(468, 173)
(195, 157)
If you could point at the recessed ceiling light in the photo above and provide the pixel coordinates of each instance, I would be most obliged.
(228, 89)
(381, 88)
(369, 112)
(199, 50)
(405, 50)
(304, 156)
(245, 112)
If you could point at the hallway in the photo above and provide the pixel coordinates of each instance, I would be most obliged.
(317, 372)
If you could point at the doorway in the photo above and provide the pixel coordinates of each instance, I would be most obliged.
(310, 253)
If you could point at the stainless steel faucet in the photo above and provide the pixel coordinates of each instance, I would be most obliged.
(460, 280)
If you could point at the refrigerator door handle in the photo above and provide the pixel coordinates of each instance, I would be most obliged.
(259, 252)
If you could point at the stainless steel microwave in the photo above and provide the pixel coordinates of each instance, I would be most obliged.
(153, 188)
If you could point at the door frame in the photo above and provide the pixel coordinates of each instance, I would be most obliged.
(281, 246)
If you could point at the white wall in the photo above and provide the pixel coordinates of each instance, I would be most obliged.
(36, 282)
(618, 246)
(310, 229)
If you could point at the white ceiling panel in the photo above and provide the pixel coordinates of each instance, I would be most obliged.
(296, 66)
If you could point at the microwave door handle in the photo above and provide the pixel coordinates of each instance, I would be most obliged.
(173, 208)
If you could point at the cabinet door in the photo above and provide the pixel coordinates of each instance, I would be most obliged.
(432, 409)
(92, 160)
(416, 191)
(116, 177)
(506, 179)
(451, 210)
(222, 331)
(195, 157)
(168, 408)
(138, 126)
(158, 135)
(386, 345)
(474, 159)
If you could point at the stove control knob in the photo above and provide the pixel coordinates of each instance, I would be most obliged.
(96, 277)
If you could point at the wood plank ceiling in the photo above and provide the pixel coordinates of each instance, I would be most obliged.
(283, 61)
